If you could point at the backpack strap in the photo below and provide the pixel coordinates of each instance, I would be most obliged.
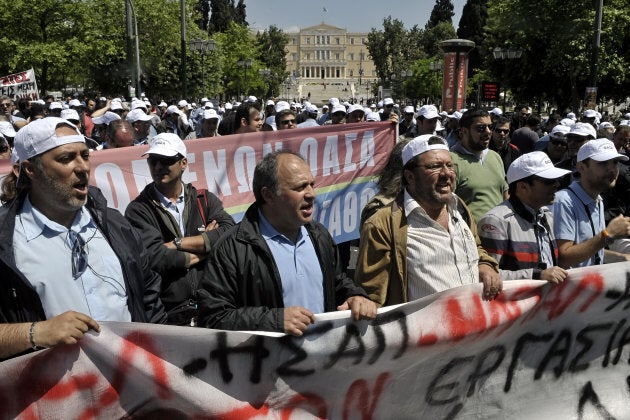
(202, 204)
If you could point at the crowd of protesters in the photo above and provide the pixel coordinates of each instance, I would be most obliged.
(470, 196)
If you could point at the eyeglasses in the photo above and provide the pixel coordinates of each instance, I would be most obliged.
(546, 181)
(79, 255)
(5, 105)
(163, 160)
(558, 143)
(437, 167)
(498, 130)
(481, 128)
(287, 122)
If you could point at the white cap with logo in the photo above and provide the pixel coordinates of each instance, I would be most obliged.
(420, 145)
(39, 136)
(533, 163)
(600, 150)
(166, 144)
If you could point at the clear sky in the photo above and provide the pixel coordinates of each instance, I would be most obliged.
(353, 15)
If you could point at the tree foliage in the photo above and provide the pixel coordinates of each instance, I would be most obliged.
(471, 27)
(225, 12)
(442, 13)
(557, 38)
(272, 45)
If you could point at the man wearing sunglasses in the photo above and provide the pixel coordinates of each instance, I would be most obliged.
(67, 260)
(480, 172)
(286, 119)
(519, 232)
(178, 224)
(501, 142)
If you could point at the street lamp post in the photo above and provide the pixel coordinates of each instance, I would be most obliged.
(404, 75)
(436, 67)
(265, 74)
(245, 64)
(135, 73)
(506, 54)
(202, 46)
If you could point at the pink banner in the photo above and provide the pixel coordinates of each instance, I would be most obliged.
(343, 160)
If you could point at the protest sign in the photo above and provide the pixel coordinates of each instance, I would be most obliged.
(343, 160)
(20, 85)
(538, 351)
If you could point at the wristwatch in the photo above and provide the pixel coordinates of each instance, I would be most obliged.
(178, 243)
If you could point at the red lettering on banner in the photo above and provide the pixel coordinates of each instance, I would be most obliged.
(136, 344)
(360, 391)
(427, 339)
(246, 412)
(556, 302)
(459, 324)
(310, 399)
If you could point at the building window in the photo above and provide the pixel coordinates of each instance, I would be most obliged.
(362, 40)
(328, 39)
(308, 40)
(362, 56)
(336, 56)
(351, 56)
(308, 56)
(351, 41)
(294, 41)
(338, 41)
(294, 56)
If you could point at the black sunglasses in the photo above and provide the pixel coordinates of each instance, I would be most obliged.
(546, 181)
(287, 122)
(164, 160)
(501, 130)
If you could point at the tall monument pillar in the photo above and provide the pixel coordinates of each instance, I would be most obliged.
(455, 73)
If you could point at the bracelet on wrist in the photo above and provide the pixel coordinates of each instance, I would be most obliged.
(31, 336)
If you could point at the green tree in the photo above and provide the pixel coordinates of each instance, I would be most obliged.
(225, 12)
(234, 45)
(471, 27)
(431, 38)
(393, 49)
(556, 39)
(442, 13)
(272, 46)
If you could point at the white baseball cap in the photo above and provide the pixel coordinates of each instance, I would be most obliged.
(70, 114)
(583, 129)
(338, 108)
(55, 105)
(166, 144)
(106, 118)
(6, 129)
(39, 136)
(496, 111)
(428, 112)
(355, 107)
(282, 106)
(408, 109)
(182, 103)
(420, 145)
(388, 101)
(533, 163)
(138, 115)
(600, 150)
(210, 114)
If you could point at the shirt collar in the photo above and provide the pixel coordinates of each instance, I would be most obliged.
(411, 204)
(166, 203)
(268, 232)
(34, 222)
(459, 148)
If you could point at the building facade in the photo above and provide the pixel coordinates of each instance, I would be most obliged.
(325, 54)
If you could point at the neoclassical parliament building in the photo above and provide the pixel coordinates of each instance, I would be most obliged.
(326, 54)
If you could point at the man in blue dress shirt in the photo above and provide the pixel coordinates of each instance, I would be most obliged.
(67, 260)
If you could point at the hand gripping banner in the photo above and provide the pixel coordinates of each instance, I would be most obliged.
(539, 351)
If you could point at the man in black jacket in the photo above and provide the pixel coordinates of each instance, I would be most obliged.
(67, 260)
(277, 267)
(178, 225)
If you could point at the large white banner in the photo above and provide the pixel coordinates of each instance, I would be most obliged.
(537, 352)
